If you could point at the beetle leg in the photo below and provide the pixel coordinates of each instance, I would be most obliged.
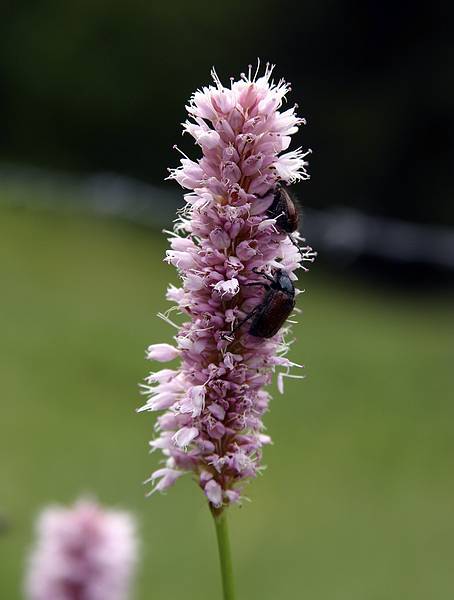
(249, 316)
(297, 246)
(241, 323)
(294, 242)
(265, 285)
(255, 269)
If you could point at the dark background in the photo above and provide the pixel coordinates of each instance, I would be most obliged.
(91, 86)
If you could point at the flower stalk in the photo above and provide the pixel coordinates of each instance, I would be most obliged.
(225, 554)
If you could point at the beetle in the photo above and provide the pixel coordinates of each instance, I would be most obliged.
(284, 210)
(279, 301)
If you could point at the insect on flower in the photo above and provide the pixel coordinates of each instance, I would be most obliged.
(279, 301)
(284, 209)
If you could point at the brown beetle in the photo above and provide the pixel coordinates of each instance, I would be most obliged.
(279, 301)
(284, 210)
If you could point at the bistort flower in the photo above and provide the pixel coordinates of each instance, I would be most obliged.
(225, 239)
(82, 553)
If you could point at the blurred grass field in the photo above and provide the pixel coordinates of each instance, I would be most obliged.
(357, 502)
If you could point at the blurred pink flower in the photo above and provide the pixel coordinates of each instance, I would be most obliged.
(226, 239)
(84, 552)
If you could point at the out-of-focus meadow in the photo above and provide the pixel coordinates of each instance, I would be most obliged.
(357, 500)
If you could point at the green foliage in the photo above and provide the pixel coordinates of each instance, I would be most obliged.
(357, 499)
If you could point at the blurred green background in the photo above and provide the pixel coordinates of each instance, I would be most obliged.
(357, 502)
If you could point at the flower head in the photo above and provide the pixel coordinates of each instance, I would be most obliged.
(225, 240)
(83, 552)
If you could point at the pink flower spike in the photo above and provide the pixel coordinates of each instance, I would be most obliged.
(237, 265)
(84, 551)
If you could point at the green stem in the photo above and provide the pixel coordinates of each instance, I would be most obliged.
(225, 556)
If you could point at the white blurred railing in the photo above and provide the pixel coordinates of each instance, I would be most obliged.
(340, 233)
